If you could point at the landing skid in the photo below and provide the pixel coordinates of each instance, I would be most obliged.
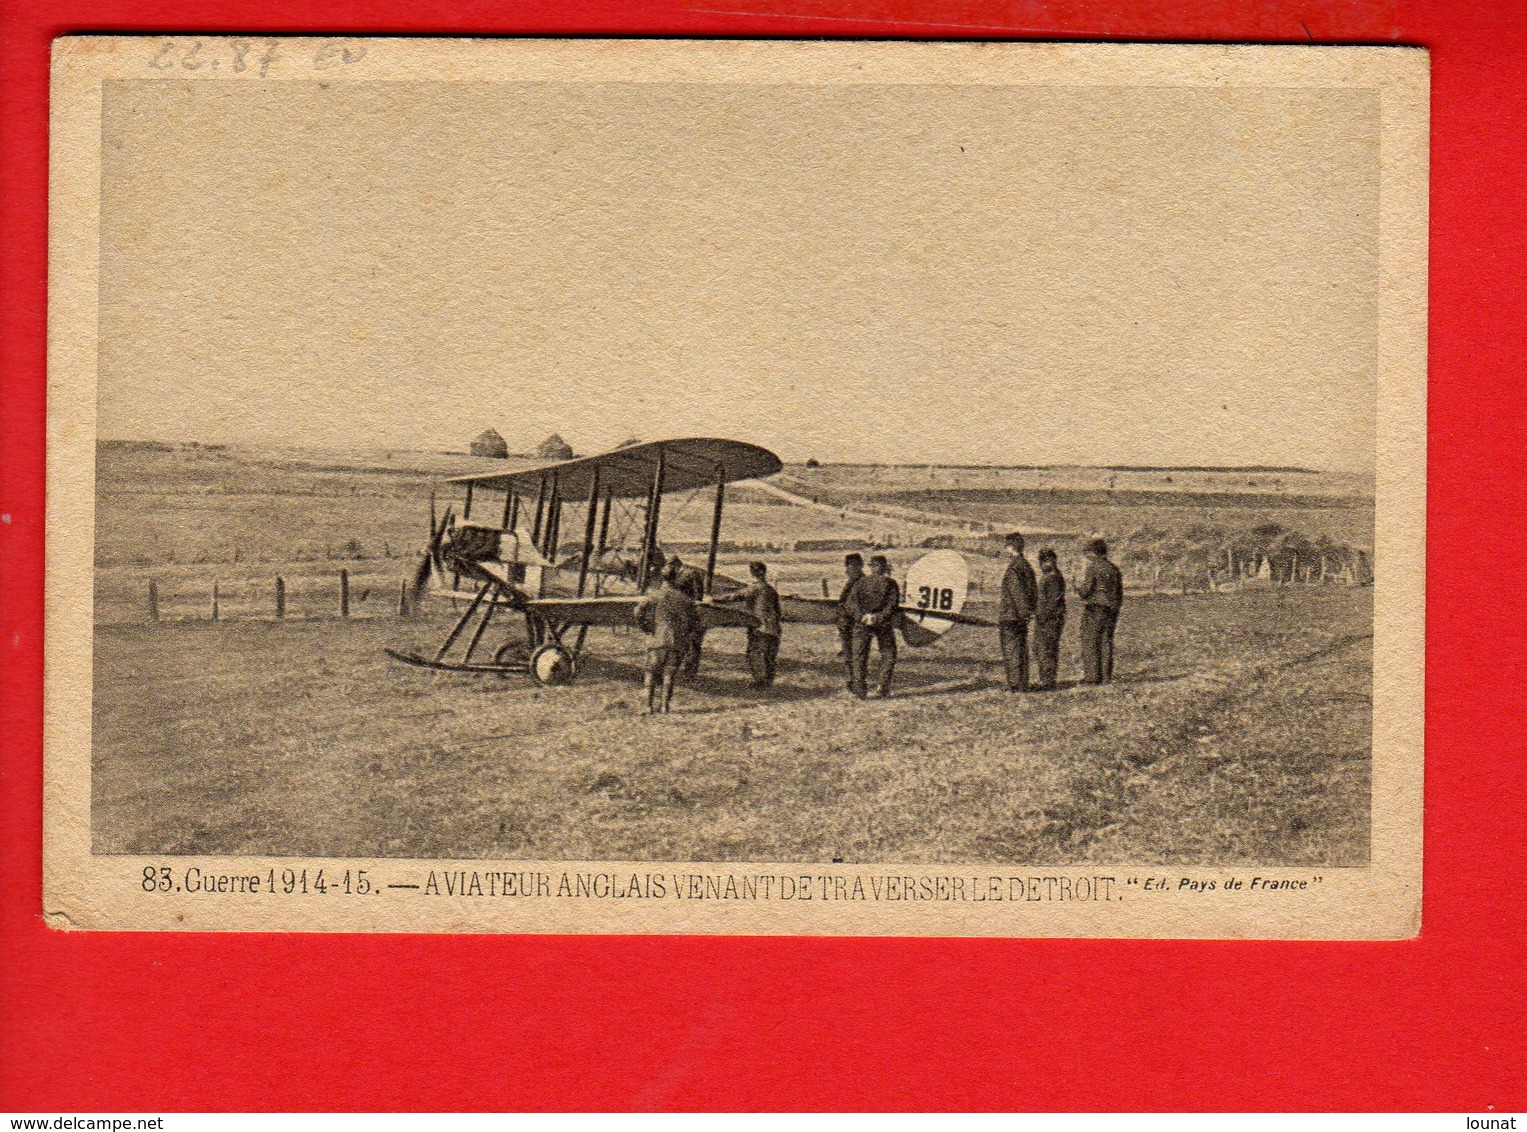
(549, 662)
(454, 666)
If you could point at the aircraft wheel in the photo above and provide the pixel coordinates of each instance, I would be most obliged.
(551, 665)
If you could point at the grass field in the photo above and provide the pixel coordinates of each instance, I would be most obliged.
(1238, 732)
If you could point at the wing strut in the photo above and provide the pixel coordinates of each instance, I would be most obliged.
(715, 527)
(535, 531)
(604, 532)
(553, 520)
(511, 509)
(654, 508)
(588, 532)
(604, 522)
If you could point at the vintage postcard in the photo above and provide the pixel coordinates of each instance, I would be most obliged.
(736, 487)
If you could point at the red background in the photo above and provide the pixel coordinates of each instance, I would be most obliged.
(99, 1022)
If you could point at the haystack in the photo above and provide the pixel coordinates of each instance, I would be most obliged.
(490, 444)
(554, 448)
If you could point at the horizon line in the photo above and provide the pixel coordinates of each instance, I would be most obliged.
(1288, 469)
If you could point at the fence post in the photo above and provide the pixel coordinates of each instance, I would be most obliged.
(216, 612)
(153, 600)
(403, 598)
(344, 593)
(280, 598)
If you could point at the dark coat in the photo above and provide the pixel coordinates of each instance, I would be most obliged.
(1102, 585)
(874, 595)
(845, 616)
(1052, 596)
(762, 601)
(669, 615)
(1020, 593)
(691, 580)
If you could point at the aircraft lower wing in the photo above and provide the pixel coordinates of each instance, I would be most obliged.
(621, 610)
(726, 616)
(912, 613)
(824, 611)
(808, 610)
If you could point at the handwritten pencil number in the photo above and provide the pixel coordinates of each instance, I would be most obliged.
(333, 53)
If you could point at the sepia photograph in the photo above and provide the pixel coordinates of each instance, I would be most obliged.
(860, 488)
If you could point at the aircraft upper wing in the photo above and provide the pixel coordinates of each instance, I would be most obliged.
(627, 472)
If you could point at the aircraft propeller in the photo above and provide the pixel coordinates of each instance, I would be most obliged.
(433, 557)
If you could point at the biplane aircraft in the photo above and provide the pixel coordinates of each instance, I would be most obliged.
(501, 555)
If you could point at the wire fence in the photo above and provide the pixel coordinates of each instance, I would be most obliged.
(340, 594)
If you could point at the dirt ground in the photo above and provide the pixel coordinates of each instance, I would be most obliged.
(1238, 732)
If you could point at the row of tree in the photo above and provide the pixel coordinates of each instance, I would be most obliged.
(1268, 551)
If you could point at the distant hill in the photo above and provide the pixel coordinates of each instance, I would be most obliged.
(1230, 469)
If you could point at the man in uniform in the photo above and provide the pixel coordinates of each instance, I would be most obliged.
(853, 570)
(762, 601)
(691, 580)
(1020, 594)
(1049, 618)
(875, 603)
(1102, 589)
(669, 616)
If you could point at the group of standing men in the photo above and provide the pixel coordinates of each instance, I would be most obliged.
(670, 614)
(1041, 602)
(869, 609)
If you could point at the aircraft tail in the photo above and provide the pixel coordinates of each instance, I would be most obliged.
(933, 593)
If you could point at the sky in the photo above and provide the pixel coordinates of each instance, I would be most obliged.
(896, 274)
